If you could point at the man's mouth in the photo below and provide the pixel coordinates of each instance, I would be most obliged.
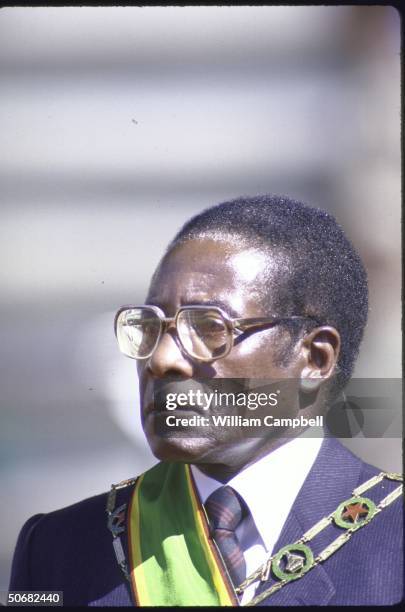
(157, 406)
(171, 397)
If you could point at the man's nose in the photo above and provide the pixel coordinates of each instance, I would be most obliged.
(168, 359)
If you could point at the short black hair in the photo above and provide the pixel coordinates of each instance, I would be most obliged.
(325, 278)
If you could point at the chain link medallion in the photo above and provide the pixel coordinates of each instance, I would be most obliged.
(354, 512)
(296, 559)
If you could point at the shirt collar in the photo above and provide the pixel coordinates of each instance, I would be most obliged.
(269, 486)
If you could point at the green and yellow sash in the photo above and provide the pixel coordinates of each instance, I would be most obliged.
(173, 560)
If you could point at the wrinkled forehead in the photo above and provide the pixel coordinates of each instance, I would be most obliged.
(203, 270)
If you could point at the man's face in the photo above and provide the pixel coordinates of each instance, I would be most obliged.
(213, 273)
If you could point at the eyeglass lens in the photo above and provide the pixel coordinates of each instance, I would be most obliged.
(203, 333)
(138, 331)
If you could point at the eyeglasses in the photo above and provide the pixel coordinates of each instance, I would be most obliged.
(206, 333)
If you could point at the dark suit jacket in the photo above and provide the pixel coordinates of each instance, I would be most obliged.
(70, 550)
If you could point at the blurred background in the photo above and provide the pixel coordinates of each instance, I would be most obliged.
(116, 125)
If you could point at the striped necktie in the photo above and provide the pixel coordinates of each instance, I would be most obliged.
(225, 510)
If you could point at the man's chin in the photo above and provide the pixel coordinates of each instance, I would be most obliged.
(178, 449)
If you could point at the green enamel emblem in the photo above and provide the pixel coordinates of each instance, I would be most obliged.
(295, 565)
(354, 512)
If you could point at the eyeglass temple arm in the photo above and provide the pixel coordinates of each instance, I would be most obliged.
(244, 324)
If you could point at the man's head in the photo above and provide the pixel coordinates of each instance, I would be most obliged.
(258, 257)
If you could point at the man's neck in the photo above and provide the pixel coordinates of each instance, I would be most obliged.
(224, 472)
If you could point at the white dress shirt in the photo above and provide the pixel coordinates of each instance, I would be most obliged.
(276, 477)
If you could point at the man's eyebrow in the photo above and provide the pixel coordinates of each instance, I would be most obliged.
(219, 303)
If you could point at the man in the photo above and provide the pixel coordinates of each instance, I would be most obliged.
(261, 288)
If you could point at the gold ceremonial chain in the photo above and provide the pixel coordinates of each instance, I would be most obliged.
(116, 523)
(298, 558)
(294, 560)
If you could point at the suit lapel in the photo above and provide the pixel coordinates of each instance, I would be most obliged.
(332, 478)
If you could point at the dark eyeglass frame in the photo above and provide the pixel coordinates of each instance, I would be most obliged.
(232, 325)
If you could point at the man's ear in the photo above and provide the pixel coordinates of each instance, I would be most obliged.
(321, 349)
